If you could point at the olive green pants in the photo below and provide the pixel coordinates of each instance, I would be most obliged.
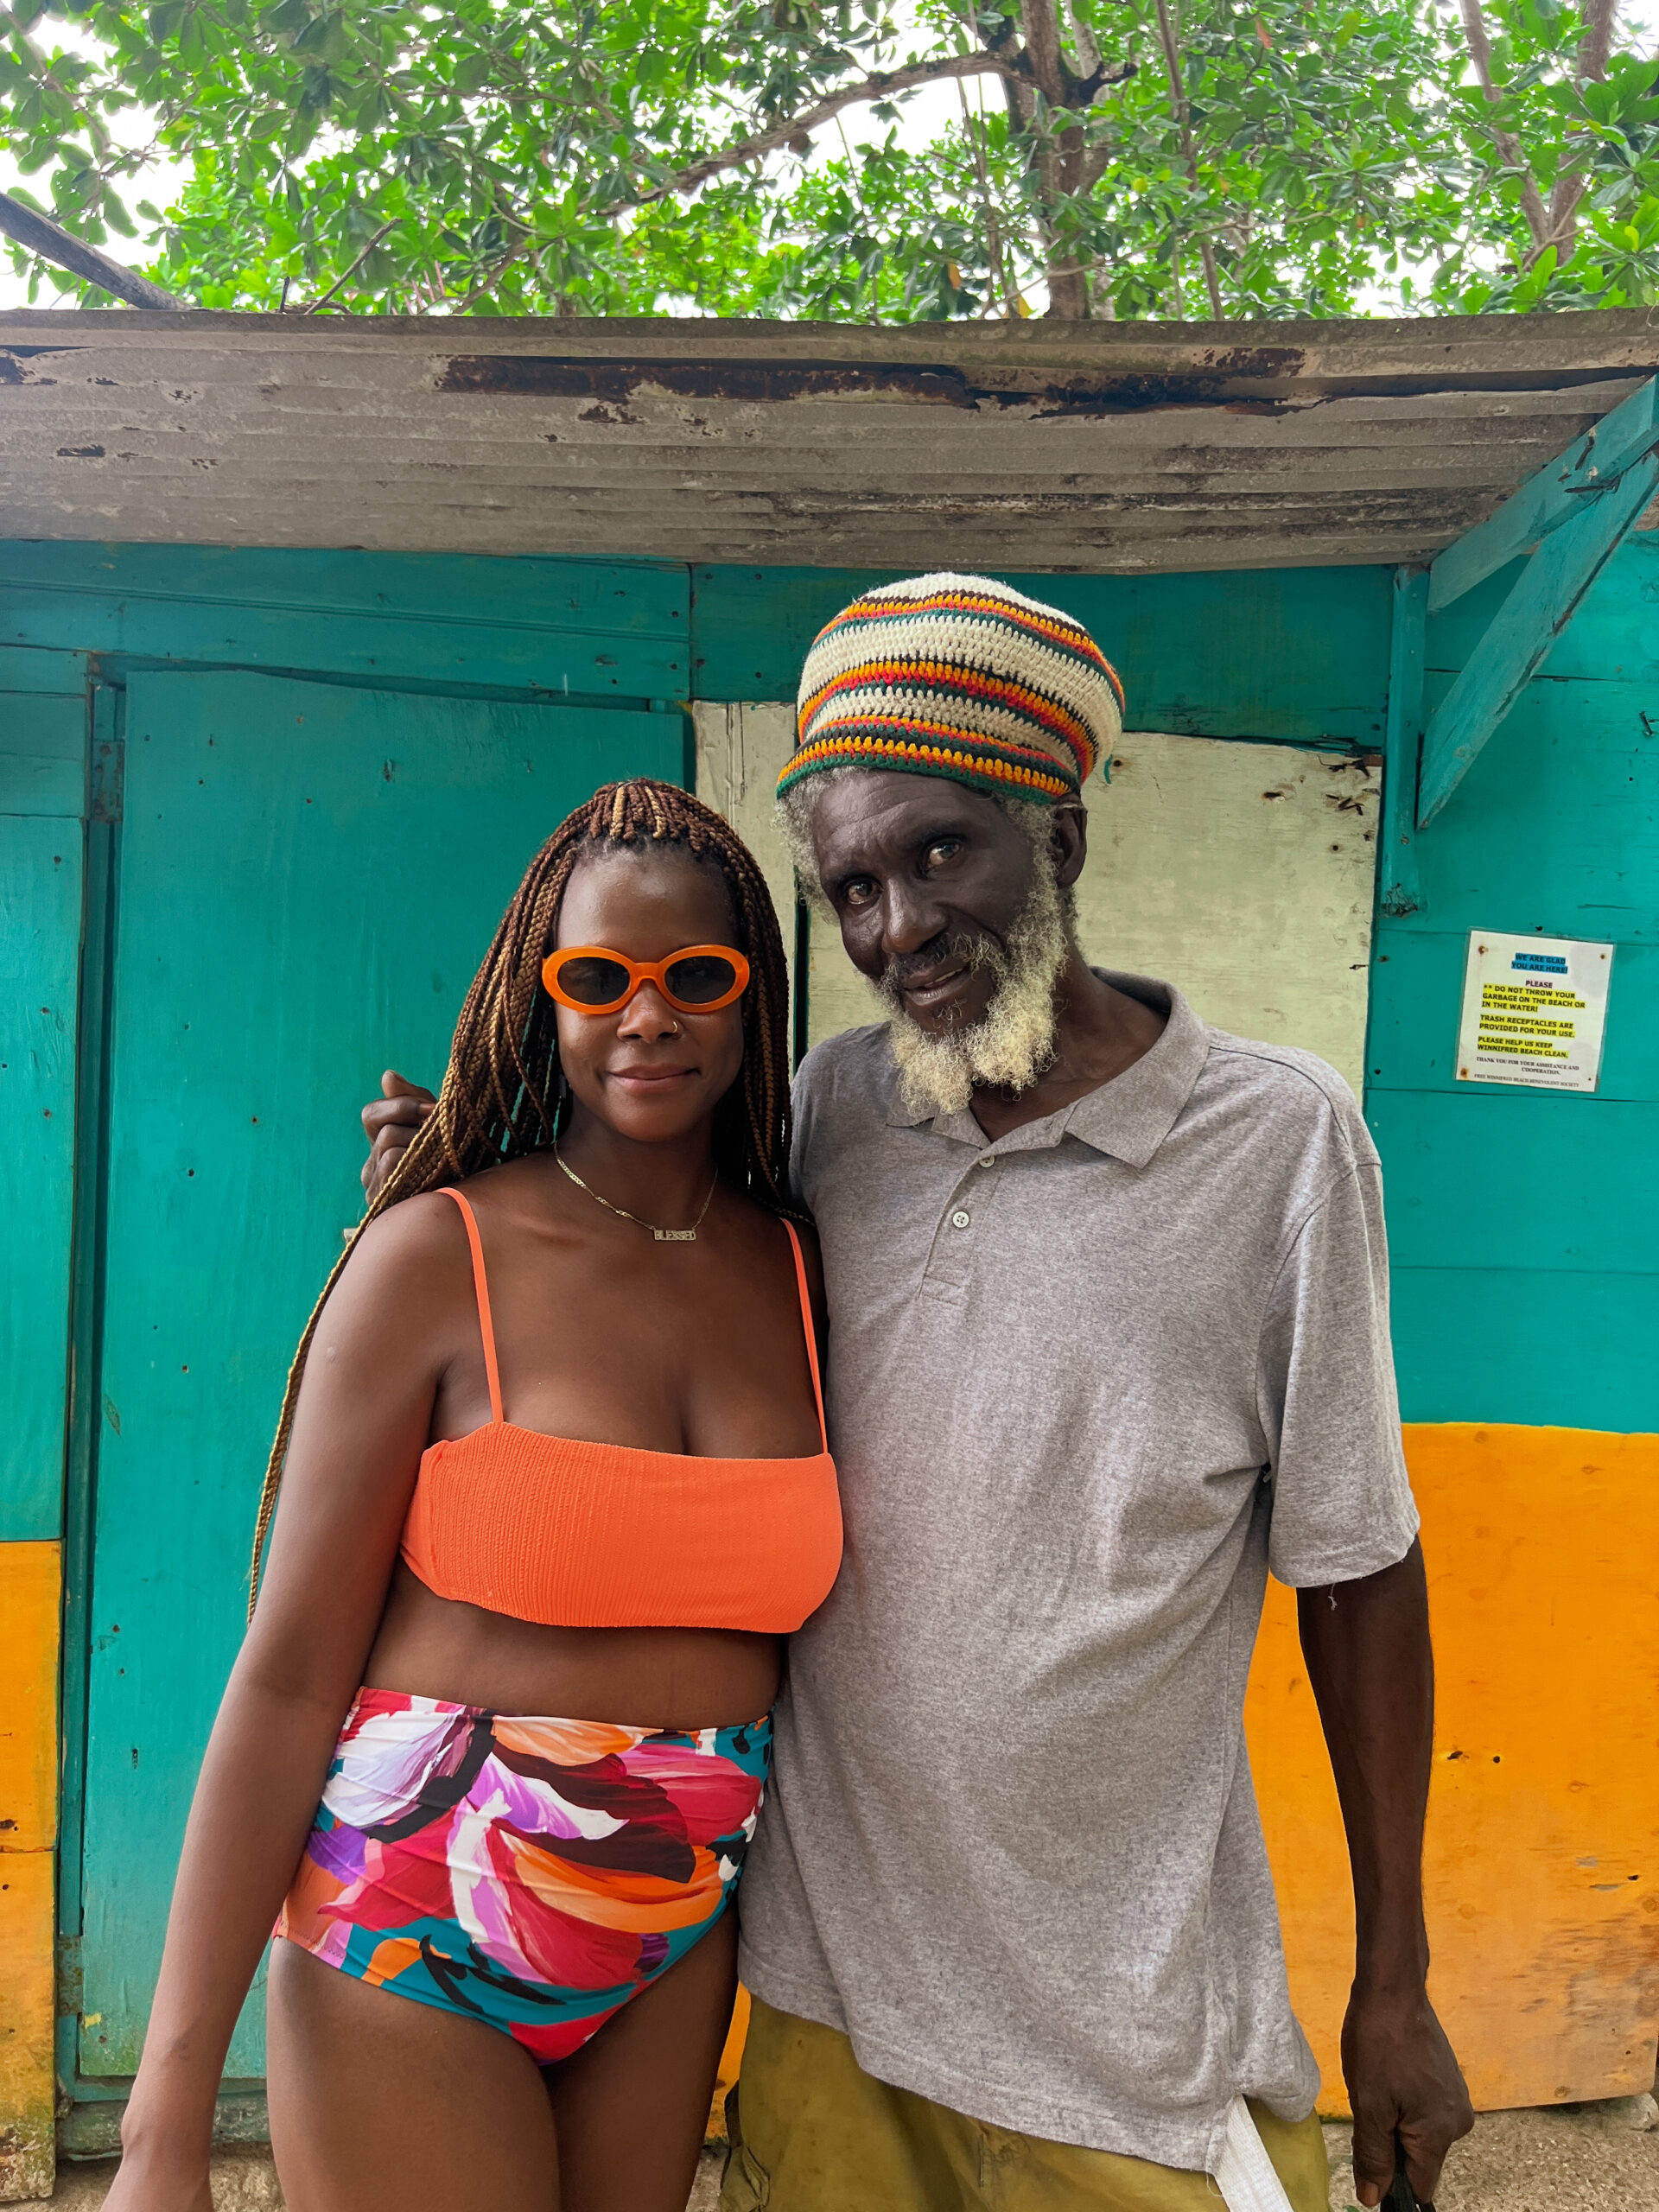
(812, 2132)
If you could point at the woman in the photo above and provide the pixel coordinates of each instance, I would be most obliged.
(553, 1445)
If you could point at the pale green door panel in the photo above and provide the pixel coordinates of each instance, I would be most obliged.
(309, 875)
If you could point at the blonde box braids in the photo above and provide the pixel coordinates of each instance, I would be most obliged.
(501, 1089)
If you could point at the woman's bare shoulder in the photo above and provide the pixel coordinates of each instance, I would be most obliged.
(406, 1260)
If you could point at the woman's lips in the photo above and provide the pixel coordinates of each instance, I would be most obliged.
(647, 1080)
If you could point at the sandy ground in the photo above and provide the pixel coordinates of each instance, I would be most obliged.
(1584, 2158)
(1590, 2158)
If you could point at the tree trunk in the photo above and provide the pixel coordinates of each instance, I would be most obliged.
(1065, 165)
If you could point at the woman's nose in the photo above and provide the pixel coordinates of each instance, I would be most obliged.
(648, 1013)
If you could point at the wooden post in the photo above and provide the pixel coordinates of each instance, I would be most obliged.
(1401, 888)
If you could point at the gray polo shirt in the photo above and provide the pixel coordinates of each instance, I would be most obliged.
(1087, 1383)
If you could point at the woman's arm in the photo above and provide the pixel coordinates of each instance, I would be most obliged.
(362, 1419)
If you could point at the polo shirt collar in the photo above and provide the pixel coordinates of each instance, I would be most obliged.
(1128, 1118)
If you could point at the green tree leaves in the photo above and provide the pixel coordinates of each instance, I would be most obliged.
(599, 156)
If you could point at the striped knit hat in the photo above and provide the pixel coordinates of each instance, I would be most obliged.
(958, 676)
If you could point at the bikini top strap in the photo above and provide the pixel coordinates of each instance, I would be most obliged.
(480, 1285)
(809, 1326)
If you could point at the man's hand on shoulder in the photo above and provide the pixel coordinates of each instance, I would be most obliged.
(1402, 2078)
(390, 1122)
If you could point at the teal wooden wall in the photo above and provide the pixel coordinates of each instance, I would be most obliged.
(256, 825)
(1523, 1224)
(43, 752)
(1299, 656)
(1554, 830)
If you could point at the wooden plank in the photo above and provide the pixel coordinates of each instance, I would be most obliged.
(1543, 1972)
(1288, 654)
(1567, 1182)
(29, 1806)
(23, 671)
(27, 2000)
(548, 625)
(44, 749)
(28, 1732)
(1613, 637)
(1559, 829)
(1025, 474)
(309, 823)
(741, 751)
(41, 866)
(85, 1415)
(45, 726)
(1466, 1341)
(117, 425)
(1586, 344)
(1539, 607)
(1265, 919)
(1166, 528)
(739, 442)
(32, 784)
(1546, 500)
(1400, 889)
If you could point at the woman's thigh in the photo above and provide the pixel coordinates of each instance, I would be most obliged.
(378, 2104)
(632, 2107)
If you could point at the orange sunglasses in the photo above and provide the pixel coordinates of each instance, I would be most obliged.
(592, 979)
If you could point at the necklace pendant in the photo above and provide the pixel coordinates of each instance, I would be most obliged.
(675, 1236)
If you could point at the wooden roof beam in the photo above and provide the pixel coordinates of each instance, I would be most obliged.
(1543, 503)
(1571, 517)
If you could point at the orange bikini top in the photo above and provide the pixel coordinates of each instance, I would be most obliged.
(573, 1535)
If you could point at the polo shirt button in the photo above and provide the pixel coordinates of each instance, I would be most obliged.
(987, 1159)
(959, 1219)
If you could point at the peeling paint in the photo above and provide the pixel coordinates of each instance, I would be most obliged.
(540, 377)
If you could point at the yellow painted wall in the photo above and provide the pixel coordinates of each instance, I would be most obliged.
(29, 1806)
(1541, 1865)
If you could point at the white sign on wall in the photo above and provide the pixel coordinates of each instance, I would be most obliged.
(1534, 1008)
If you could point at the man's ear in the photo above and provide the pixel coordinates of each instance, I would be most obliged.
(1069, 842)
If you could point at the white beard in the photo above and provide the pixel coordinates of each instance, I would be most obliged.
(1014, 1043)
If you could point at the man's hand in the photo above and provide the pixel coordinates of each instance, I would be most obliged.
(390, 1122)
(1401, 2077)
(1367, 1648)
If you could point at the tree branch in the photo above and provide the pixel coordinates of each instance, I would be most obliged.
(1084, 39)
(41, 236)
(1000, 279)
(882, 85)
(346, 276)
(1594, 47)
(1184, 120)
(1507, 145)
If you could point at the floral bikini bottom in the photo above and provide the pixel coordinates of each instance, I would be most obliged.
(532, 1874)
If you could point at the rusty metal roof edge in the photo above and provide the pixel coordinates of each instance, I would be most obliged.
(1491, 351)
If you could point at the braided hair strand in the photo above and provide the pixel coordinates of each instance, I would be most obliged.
(501, 1089)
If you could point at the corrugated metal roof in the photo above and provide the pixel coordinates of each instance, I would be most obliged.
(1042, 446)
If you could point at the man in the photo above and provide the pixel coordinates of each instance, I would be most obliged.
(1108, 1300)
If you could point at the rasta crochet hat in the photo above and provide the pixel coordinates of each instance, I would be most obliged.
(958, 676)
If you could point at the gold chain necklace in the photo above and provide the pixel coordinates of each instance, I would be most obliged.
(662, 1236)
